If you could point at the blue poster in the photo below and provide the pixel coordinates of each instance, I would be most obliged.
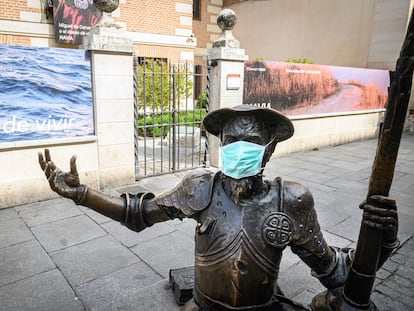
(44, 93)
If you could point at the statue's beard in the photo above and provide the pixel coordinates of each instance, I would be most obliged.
(240, 189)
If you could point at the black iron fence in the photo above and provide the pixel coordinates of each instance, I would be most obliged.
(169, 106)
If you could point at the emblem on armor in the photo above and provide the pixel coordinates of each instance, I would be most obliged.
(277, 230)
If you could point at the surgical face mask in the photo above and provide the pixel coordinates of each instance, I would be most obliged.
(242, 159)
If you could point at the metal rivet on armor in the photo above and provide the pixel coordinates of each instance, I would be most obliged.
(219, 204)
(300, 200)
(310, 230)
(224, 214)
(300, 226)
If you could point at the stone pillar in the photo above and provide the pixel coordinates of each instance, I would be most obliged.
(226, 74)
(111, 54)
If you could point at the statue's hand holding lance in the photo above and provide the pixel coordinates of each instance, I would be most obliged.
(380, 212)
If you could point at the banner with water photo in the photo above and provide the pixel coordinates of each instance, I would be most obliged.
(307, 89)
(44, 93)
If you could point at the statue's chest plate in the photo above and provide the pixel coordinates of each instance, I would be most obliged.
(260, 223)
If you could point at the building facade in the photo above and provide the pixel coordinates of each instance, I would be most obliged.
(160, 29)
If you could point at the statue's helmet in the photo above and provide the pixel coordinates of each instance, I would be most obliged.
(280, 127)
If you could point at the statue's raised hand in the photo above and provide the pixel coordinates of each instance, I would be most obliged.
(65, 184)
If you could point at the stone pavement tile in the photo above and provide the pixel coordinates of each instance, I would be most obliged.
(329, 217)
(8, 213)
(298, 278)
(315, 157)
(90, 260)
(171, 251)
(289, 259)
(129, 288)
(335, 240)
(405, 223)
(320, 192)
(352, 164)
(159, 184)
(130, 238)
(95, 216)
(344, 203)
(403, 183)
(45, 291)
(48, 211)
(157, 297)
(298, 163)
(356, 188)
(67, 232)
(12, 229)
(186, 226)
(386, 303)
(23, 260)
(313, 176)
(275, 169)
(404, 202)
(348, 229)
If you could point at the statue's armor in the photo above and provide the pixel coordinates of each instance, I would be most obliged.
(239, 247)
(235, 265)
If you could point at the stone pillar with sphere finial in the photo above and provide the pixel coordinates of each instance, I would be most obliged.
(111, 56)
(226, 61)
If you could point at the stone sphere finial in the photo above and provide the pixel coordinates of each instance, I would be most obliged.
(226, 19)
(107, 6)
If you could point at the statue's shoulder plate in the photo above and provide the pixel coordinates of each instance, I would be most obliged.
(192, 194)
(297, 199)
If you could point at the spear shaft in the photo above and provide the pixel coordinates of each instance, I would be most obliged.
(358, 288)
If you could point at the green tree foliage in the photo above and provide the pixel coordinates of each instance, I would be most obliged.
(157, 80)
(158, 125)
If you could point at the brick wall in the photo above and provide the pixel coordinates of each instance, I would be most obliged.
(150, 16)
(205, 29)
(161, 17)
(15, 40)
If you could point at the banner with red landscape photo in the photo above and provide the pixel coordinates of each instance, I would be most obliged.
(308, 89)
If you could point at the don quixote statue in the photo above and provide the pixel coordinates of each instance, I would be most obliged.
(245, 222)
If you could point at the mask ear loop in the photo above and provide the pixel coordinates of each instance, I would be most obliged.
(262, 165)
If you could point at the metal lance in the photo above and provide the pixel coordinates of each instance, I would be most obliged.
(358, 288)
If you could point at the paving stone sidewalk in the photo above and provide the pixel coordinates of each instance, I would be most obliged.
(55, 255)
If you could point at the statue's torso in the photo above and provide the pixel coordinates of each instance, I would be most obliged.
(239, 248)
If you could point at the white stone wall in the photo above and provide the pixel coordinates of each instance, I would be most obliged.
(22, 180)
(112, 76)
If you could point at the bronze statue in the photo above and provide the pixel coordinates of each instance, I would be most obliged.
(243, 221)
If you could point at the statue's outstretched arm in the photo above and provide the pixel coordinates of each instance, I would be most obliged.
(67, 184)
(136, 211)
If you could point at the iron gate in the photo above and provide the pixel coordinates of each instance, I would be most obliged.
(169, 107)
